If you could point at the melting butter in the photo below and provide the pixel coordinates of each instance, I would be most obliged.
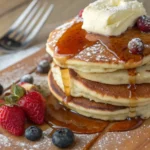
(111, 17)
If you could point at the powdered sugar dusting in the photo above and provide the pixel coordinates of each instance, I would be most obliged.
(96, 53)
(4, 141)
(143, 23)
(20, 143)
(15, 72)
(10, 141)
(115, 6)
(136, 139)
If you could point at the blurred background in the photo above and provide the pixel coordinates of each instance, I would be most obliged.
(63, 10)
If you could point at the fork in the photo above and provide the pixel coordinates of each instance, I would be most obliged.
(27, 26)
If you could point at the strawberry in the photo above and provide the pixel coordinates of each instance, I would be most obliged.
(12, 119)
(33, 104)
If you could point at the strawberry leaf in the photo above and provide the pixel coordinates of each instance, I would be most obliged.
(17, 91)
(11, 99)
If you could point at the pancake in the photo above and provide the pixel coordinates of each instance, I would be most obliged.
(141, 75)
(92, 109)
(118, 95)
(72, 47)
(96, 75)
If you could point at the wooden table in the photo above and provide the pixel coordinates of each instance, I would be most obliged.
(138, 139)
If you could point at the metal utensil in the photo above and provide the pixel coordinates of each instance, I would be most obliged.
(27, 26)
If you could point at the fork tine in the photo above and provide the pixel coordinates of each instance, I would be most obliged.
(39, 25)
(22, 16)
(34, 21)
(27, 20)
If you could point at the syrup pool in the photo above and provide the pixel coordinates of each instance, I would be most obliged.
(58, 116)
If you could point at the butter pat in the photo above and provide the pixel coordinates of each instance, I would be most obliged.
(111, 17)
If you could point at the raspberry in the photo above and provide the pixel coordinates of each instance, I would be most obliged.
(80, 13)
(136, 46)
(143, 23)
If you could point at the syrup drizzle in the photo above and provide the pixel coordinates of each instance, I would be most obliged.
(73, 40)
(132, 85)
(58, 116)
(132, 92)
(76, 39)
(96, 138)
(92, 142)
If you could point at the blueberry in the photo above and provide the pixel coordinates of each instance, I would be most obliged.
(27, 78)
(1, 89)
(63, 138)
(43, 66)
(33, 133)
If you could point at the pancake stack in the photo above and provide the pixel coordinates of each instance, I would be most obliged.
(96, 76)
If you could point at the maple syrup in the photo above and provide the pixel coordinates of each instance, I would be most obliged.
(73, 40)
(58, 116)
(76, 39)
(132, 85)
(132, 92)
